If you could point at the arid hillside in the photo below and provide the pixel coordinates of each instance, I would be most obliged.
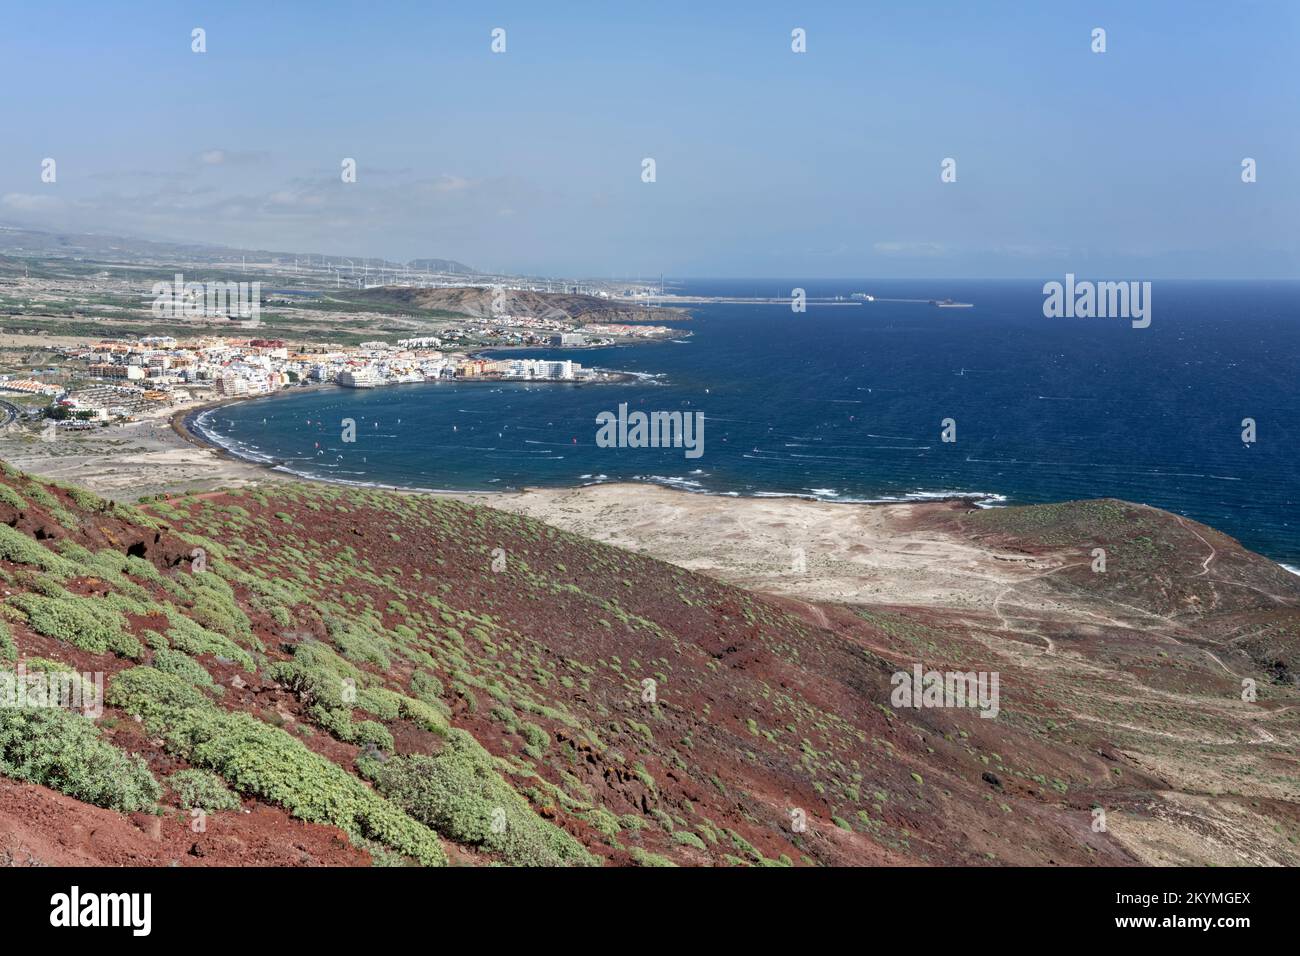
(483, 302)
(324, 676)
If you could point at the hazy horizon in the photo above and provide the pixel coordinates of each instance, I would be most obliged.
(768, 163)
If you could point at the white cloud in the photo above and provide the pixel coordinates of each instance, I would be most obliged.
(30, 202)
(909, 248)
(227, 157)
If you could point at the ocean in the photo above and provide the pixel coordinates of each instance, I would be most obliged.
(847, 403)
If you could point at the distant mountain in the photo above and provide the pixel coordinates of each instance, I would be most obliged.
(441, 265)
(20, 240)
(483, 301)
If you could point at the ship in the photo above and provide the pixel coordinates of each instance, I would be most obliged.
(950, 304)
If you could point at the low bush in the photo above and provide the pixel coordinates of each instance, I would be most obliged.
(536, 740)
(268, 763)
(202, 789)
(372, 733)
(383, 703)
(645, 858)
(458, 791)
(193, 638)
(186, 668)
(153, 695)
(62, 750)
(687, 838)
(83, 622)
(426, 687)
(22, 549)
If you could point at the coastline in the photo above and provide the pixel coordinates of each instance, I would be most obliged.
(182, 422)
(799, 547)
(852, 552)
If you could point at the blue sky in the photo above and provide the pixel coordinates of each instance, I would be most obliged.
(769, 163)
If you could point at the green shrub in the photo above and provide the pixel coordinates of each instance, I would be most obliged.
(268, 763)
(83, 622)
(279, 614)
(202, 789)
(687, 838)
(373, 733)
(359, 645)
(62, 750)
(74, 552)
(505, 716)
(153, 695)
(383, 703)
(536, 740)
(186, 668)
(86, 500)
(319, 677)
(21, 549)
(52, 504)
(193, 638)
(8, 649)
(644, 858)
(425, 715)
(89, 691)
(128, 597)
(10, 497)
(140, 568)
(426, 687)
(215, 608)
(457, 791)
(41, 496)
(603, 821)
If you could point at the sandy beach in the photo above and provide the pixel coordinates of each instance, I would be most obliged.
(812, 550)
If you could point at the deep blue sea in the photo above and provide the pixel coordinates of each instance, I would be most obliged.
(845, 403)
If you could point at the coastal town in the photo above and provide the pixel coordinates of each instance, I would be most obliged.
(96, 344)
(120, 380)
(108, 348)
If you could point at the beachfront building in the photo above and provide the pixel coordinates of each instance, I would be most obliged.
(364, 376)
(114, 370)
(536, 369)
(235, 382)
(231, 386)
(563, 371)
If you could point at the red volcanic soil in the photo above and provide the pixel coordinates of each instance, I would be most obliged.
(39, 827)
(658, 715)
